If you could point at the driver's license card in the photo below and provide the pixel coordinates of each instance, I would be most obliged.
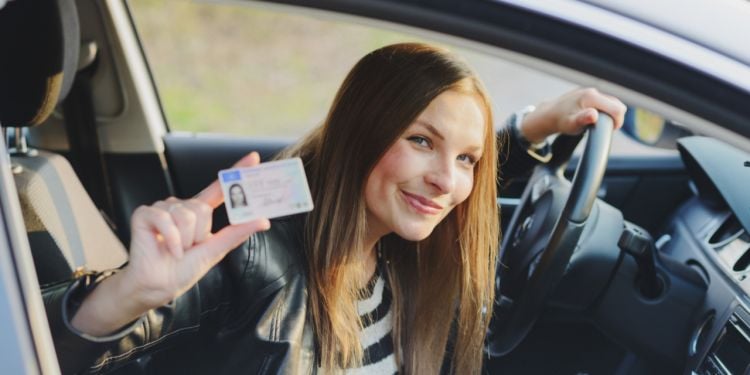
(268, 190)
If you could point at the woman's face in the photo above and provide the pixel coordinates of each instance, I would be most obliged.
(236, 195)
(428, 170)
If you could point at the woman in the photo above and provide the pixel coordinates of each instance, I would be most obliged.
(393, 268)
(237, 196)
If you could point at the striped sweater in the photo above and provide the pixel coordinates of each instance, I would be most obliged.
(374, 309)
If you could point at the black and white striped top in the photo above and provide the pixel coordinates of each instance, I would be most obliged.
(377, 325)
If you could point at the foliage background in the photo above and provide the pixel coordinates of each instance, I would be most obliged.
(235, 67)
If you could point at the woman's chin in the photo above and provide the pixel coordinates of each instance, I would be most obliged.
(415, 234)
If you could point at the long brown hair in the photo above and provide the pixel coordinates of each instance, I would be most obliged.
(444, 281)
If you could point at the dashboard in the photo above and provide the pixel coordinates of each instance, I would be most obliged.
(709, 234)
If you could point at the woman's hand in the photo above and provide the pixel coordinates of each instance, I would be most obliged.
(570, 113)
(171, 248)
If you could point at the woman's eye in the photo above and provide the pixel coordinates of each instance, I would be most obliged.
(468, 159)
(418, 139)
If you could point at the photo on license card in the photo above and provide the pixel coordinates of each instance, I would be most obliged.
(268, 190)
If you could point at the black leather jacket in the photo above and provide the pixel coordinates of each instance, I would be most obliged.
(246, 316)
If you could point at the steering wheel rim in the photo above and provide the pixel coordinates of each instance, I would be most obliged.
(513, 320)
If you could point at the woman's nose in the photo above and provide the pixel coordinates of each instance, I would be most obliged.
(442, 177)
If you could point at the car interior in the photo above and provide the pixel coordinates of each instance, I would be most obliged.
(647, 273)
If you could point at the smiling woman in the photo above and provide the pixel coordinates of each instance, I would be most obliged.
(418, 119)
(430, 168)
(174, 309)
(413, 213)
(395, 264)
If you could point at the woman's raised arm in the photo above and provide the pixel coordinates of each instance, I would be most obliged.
(172, 247)
(570, 113)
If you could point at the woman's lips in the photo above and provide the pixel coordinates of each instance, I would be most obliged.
(421, 204)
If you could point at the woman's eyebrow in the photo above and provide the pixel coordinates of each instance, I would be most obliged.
(476, 149)
(436, 133)
(431, 128)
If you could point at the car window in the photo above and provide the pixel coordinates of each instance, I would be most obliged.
(240, 69)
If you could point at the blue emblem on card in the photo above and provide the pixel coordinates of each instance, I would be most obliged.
(230, 176)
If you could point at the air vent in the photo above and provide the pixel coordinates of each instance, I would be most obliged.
(742, 264)
(731, 228)
(732, 244)
(736, 254)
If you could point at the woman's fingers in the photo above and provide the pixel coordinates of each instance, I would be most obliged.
(158, 222)
(586, 117)
(192, 217)
(593, 99)
(619, 112)
(212, 194)
(185, 220)
(212, 250)
(185, 226)
(203, 219)
(579, 108)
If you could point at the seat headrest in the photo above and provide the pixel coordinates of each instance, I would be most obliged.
(39, 45)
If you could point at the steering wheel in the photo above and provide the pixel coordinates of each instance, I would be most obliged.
(544, 233)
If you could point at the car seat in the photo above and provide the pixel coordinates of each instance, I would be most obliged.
(39, 45)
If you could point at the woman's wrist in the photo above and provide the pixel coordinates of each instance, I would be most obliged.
(113, 304)
(538, 124)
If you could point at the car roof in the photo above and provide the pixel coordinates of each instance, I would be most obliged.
(720, 25)
(684, 31)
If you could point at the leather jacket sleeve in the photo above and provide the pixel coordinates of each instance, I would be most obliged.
(227, 295)
(513, 160)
